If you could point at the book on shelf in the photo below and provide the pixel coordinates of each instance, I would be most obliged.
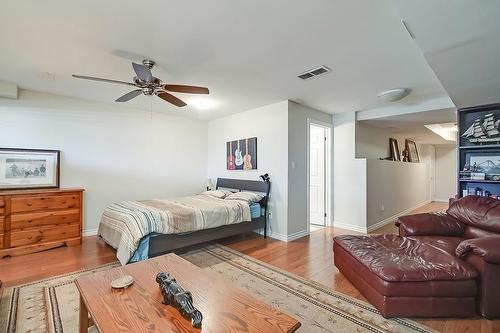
(477, 175)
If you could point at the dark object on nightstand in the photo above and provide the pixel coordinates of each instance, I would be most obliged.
(265, 177)
(176, 296)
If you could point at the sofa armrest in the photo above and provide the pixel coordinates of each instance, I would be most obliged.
(486, 247)
(429, 224)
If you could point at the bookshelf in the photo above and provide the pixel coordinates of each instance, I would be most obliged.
(478, 153)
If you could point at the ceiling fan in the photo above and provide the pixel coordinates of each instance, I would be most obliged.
(149, 85)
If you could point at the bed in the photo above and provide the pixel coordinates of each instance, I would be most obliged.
(147, 228)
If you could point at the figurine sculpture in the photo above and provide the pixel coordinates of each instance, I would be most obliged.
(175, 295)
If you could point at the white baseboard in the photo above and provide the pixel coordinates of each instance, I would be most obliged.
(391, 219)
(350, 227)
(440, 200)
(89, 232)
(297, 235)
(285, 238)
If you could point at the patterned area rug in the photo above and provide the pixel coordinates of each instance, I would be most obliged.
(51, 305)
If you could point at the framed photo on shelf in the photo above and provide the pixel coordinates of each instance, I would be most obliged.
(411, 147)
(28, 168)
(394, 149)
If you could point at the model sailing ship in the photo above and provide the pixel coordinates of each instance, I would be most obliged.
(483, 131)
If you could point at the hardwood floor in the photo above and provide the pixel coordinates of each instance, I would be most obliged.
(31, 267)
(310, 257)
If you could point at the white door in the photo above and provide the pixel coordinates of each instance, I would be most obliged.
(317, 174)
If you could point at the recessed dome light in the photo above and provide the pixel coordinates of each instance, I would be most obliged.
(394, 95)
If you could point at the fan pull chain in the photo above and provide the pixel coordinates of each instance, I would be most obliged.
(151, 107)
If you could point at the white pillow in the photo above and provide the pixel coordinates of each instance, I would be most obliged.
(221, 194)
(248, 197)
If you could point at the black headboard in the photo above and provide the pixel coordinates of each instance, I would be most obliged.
(244, 185)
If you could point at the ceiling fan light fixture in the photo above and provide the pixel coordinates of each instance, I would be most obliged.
(202, 103)
(394, 95)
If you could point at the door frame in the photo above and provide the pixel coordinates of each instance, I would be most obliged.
(328, 172)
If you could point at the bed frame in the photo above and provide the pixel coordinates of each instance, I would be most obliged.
(162, 244)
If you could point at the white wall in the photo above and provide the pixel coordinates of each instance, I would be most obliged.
(115, 153)
(349, 175)
(394, 188)
(367, 191)
(445, 178)
(270, 125)
(298, 117)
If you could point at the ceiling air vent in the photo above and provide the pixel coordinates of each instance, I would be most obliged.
(314, 72)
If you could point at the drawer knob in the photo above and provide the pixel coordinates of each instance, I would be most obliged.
(29, 204)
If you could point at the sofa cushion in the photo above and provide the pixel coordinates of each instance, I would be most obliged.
(430, 224)
(477, 211)
(473, 232)
(396, 258)
(487, 247)
(447, 244)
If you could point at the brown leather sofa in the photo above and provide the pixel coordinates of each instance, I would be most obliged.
(440, 265)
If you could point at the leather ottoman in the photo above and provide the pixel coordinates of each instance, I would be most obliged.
(403, 277)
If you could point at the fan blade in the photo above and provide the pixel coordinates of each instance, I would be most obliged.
(171, 99)
(101, 79)
(143, 73)
(185, 89)
(129, 96)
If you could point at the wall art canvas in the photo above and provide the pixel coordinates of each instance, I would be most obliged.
(28, 168)
(241, 154)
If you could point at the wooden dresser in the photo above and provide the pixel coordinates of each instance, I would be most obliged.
(37, 220)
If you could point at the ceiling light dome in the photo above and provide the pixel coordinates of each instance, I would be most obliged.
(394, 95)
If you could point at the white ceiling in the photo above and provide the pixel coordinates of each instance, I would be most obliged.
(247, 52)
(412, 125)
(460, 40)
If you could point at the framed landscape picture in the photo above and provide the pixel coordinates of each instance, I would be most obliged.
(241, 154)
(28, 168)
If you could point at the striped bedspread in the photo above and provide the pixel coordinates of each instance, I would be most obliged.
(124, 224)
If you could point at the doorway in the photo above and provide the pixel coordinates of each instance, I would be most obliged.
(319, 175)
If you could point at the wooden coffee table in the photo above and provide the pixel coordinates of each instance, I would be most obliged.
(139, 308)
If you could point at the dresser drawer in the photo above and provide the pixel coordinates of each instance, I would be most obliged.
(1, 241)
(42, 202)
(36, 219)
(2, 224)
(44, 234)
